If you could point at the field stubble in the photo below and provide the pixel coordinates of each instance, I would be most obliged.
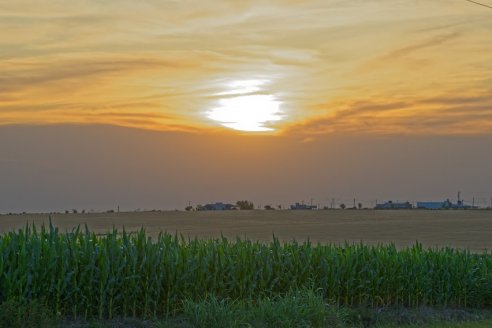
(461, 229)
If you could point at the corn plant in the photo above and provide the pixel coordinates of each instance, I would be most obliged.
(81, 274)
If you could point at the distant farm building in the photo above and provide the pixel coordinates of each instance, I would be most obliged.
(434, 205)
(394, 206)
(298, 206)
(217, 207)
(445, 205)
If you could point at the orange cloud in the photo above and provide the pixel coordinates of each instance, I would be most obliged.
(375, 67)
(442, 115)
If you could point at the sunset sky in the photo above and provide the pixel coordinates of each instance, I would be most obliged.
(279, 78)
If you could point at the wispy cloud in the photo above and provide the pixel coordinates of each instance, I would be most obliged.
(432, 116)
(431, 42)
(384, 66)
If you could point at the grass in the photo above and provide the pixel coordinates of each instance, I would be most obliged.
(18, 314)
(302, 308)
(479, 324)
(296, 309)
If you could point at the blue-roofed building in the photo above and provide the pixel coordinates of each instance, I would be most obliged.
(394, 206)
(439, 205)
(431, 205)
(217, 207)
(447, 204)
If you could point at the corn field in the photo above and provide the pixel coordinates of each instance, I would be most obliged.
(81, 274)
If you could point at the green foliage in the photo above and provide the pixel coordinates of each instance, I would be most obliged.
(480, 324)
(212, 312)
(17, 314)
(295, 309)
(245, 205)
(83, 275)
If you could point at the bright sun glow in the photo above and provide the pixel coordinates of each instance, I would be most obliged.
(243, 111)
(243, 87)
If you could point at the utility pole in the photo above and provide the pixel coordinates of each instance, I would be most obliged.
(354, 203)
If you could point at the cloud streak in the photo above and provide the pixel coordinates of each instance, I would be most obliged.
(433, 116)
(385, 66)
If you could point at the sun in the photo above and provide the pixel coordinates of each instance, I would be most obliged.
(243, 110)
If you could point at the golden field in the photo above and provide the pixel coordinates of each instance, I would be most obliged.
(462, 229)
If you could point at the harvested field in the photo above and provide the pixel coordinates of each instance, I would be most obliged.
(461, 229)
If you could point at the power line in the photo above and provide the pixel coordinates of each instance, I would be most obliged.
(479, 3)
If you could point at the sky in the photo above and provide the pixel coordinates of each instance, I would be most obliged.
(275, 101)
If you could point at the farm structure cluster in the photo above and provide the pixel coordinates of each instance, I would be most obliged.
(444, 205)
(388, 205)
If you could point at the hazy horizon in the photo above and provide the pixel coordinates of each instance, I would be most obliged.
(57, 168)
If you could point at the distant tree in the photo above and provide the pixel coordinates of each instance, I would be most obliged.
(279, 207)
(67, 211)
(359, 205)
(74, 211)
(342, 206)
(245, 205)
(188, 208)
(269, 207)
